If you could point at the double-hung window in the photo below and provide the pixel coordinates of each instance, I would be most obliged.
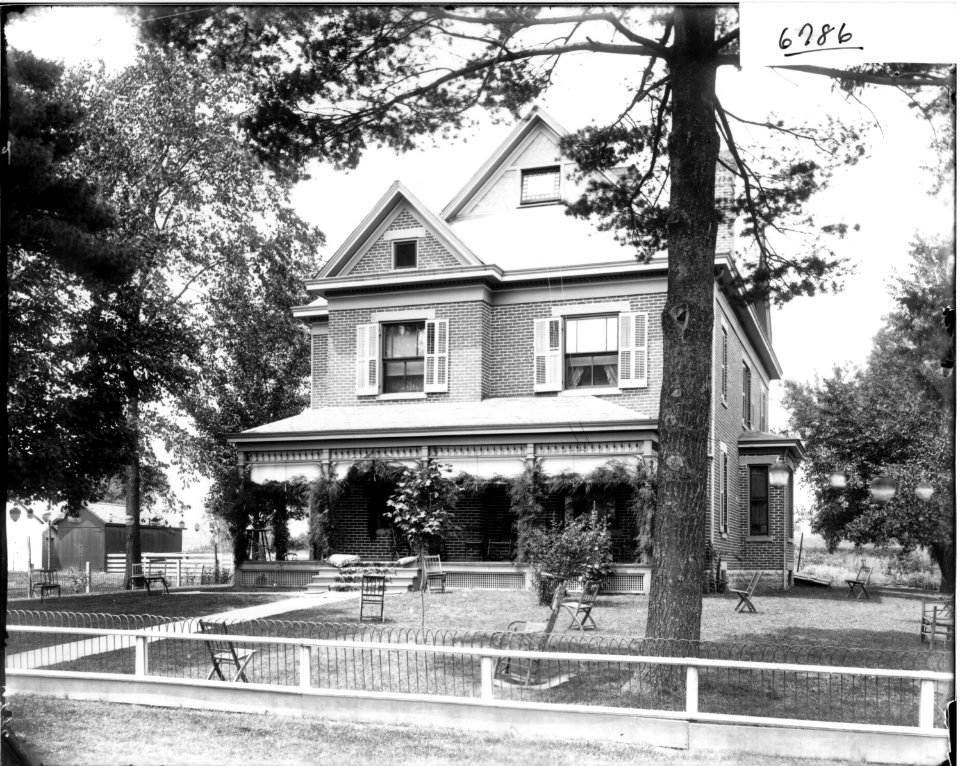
(404, 357)
(404, 348)
(592, 346)
(596, 351)
(759, 501)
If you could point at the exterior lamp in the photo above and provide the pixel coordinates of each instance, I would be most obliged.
(46, 517)
(882, 489)
(924, 491)
(15, 513)
(196, 527)
(182, 524)
(29, 513)
(779, 474)
(838, 480)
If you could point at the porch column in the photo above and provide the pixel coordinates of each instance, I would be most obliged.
(241, 462)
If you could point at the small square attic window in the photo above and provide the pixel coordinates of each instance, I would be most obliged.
(539, 185)
(405, 254)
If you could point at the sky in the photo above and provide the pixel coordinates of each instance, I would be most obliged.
(886, 194)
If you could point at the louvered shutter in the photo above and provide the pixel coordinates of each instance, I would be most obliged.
(548, 354)
(368, 359)
(437, 367)
(633, 350)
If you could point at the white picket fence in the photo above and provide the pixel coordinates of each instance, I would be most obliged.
(179, 568)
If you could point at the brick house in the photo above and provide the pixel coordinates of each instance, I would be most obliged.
(502, 332)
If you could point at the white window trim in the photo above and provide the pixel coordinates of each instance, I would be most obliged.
(402, 316)
(417, 232)
(540, 166)
(394, 254)
(409, 395)
(587, 309)
(605, 391)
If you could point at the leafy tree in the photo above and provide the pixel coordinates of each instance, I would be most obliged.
(891, 418)
(209, 227)
(421, 505)
(64, 428)
(329, 82)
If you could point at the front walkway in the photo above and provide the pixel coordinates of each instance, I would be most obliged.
(54, 655)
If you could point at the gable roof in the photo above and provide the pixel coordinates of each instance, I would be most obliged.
(397, 194)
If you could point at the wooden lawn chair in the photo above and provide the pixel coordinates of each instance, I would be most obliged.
(46, 582)
(155, 572)
(937, 620)
(531, 673)
(858, 585)
(224, 655)
(580, 606)
(436, 578)
(745, 604)
(372, 590)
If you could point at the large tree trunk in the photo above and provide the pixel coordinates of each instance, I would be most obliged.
(684, 426)
(134, 553)
(945, 555)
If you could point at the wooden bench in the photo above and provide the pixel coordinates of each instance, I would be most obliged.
(46, 583)
(937, 620)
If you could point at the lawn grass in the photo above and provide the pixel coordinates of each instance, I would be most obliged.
(800, 616)
(68, 733)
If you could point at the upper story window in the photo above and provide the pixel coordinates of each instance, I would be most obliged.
(724, 346)
(591, 352)
(407, 357)
(747, 398)
(405, 254)
(538, 185)
(602, 351)
(404, 348)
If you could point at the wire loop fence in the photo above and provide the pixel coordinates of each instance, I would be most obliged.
(370, 663)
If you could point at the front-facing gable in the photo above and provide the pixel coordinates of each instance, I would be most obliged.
(398, 218)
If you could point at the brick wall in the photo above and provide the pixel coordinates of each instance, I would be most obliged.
(767, 554)
(318, 369)
(431, 254)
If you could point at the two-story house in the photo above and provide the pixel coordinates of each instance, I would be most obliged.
(501, 331)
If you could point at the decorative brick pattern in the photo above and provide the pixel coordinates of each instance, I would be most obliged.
(431, 254)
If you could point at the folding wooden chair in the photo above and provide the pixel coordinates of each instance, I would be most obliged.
(223, 654)
(46, 583)
(937, 620)
(580, 606)
(372, 590)
(530, 672)
(436, 578)
(858, 586)
(745, 604)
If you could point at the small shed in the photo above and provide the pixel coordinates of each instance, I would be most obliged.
(100, 530)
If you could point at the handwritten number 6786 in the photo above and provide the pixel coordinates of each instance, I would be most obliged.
(808, 30)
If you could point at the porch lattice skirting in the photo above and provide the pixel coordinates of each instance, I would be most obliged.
(626, 578)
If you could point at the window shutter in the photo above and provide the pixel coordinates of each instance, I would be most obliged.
(633, 350)
(548, 354)
(368, 359)
(436, 366)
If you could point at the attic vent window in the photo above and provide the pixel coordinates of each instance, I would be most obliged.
(538, 185)
(405, 255)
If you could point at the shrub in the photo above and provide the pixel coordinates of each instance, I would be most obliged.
(78, 580)
(578, 549)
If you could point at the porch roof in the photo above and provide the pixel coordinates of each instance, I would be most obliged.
(760, 440)
(525, 413)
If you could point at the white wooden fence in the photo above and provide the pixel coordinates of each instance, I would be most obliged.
(179, 568)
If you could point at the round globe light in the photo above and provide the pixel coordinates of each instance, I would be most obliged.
(882, 489)
(779, 474)
(183, 524)
(196, 527)
(838, 480)
(924, 491)
(15, 513)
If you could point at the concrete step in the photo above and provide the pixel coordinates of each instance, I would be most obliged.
(400, 580)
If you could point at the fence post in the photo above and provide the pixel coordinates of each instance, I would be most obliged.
(305, 667)
(486, 678)
(86, 570)
(927, 689)
(693, 691)
(140, 661)
(179, 572)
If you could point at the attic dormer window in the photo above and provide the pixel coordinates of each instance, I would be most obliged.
(405, 254)
(539, 185)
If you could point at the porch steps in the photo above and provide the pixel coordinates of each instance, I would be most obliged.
(399, 579)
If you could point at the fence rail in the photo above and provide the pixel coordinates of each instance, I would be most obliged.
(805, 683)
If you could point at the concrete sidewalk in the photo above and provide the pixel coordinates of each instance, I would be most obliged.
(54, 655)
